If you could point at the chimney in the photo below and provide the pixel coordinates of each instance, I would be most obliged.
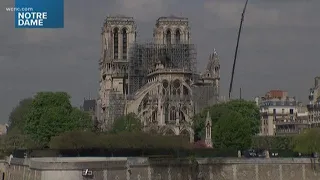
(316, 81)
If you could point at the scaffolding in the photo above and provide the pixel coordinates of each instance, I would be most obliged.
(144, 57)
(116, 107)
(142, 60)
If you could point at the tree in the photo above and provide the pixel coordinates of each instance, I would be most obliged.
(308, 142)
(17, 141)
(247, 109)
(232, 131)
(17, 116)
(85, 139)
(50, 114)
(76, 140)
(127, 123)
(215, 111)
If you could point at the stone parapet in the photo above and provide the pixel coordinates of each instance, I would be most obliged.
(255, 160)
(133, 168)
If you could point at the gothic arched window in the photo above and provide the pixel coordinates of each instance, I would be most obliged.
(116, 43)
(173, 115)
(168, 36)
(124, 43)
(177, 36)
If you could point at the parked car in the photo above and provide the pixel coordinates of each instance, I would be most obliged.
(254, 153)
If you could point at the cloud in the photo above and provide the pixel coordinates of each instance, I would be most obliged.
(143, 9)
(261, 13)
(230, 12)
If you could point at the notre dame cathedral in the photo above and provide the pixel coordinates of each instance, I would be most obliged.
(157, 80)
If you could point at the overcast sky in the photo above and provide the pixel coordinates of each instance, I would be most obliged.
(279, 47)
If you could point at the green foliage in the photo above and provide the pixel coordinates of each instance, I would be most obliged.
(144, 140)
(17, 116)
(248, 110)
(273, 142)
(50, 114)
(232, 131)
(16, 140)
(127, 123)
(76, 140)
(308, 142)
(15, 137)
(80, 120)
(84, 139)
(216, 111)
(245, 111)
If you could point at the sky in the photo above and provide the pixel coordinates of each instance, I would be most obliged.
(279, 45)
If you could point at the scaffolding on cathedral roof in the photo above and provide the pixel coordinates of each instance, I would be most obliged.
(144, 56)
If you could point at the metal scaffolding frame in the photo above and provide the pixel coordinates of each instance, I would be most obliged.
(115, 108)
(144, 56)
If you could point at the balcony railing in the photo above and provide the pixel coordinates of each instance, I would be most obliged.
(270, 113)
(293, 122)
(287, 131)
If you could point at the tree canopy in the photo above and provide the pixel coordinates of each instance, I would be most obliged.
(224, 115)
(127, 123)
(308, 142)
(17, 116)
(232, 131)
(50, 114)
(13, 141)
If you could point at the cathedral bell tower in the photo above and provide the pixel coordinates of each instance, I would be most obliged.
(172, 30)
(118, 35)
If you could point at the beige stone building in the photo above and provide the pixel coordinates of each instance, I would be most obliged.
(3, 129)
(157, 80)
(314, 104)
(281, 114)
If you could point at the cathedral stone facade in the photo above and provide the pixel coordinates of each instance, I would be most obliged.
(158, 80)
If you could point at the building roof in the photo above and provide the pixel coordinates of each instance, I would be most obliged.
(89, 105)
(172, 17)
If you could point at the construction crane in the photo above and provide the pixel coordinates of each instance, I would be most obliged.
(236, 51)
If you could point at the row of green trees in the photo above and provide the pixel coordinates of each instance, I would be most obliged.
(36, 120)
(49, 120)
(127, 140)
